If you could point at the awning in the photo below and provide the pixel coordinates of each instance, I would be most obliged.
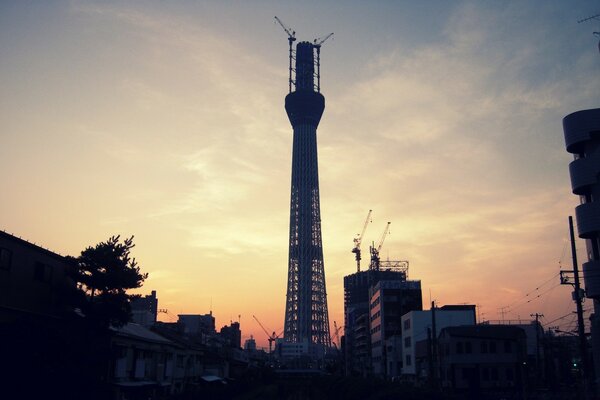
(212, 378)
(136, 383)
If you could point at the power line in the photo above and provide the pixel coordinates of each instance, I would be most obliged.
(559, 318)
(571, 313)
(511, 309)
(532, 291)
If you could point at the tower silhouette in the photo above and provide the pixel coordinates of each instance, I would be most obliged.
(306, 314)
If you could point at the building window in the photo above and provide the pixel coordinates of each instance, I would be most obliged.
(509, 374)
(408, 360)
(5, 258)
(507, 346)
(465, 373)
(494, 373)
(468, 349)
(407, 324)
(459, 347)
(485, 374)
(407, 341)
(42, 272)
(493, 347)
(484, 347)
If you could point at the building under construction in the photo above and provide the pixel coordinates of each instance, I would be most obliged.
(358, 288)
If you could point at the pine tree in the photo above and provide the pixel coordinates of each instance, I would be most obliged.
(105, 273)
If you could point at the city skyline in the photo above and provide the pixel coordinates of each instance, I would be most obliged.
(166, 121)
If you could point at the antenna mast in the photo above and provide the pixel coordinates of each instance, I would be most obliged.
(596, 17)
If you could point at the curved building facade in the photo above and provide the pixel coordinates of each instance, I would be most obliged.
(582, 138)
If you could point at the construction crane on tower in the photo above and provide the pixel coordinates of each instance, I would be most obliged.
(291, 39)
(317, 45)
(375, 250)
(358, 241)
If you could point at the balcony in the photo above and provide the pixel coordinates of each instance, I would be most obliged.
(588, 220)
(584, 173)
(591, 277)
(578, 127)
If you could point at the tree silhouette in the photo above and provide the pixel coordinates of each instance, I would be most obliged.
(105, 273)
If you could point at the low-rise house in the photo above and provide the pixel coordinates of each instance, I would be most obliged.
(481, 358)
(33, 281)
(417, 326)
(145, 363)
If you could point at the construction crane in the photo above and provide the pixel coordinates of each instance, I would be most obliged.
(375, 250)
(336, 334)
(319, 41)
(358, 241)
(317, 45)
(271, 337)
(291, 39)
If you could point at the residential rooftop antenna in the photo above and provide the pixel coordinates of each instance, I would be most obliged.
(597, 18)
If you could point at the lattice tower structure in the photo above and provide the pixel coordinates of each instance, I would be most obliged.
(306, 314)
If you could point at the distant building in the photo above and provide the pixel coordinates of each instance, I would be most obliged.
(389, 300)
(232, 335)
(144, 309)
(418, 326)
(33, 280)
(482, 358)
(250, 344)
(357, 336)
(288, 350)
(196, 324)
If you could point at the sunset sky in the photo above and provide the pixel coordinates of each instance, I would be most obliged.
(165, 120)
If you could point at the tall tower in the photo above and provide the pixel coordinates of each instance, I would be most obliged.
(306, 315)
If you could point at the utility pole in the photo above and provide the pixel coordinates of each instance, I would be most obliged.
(502, 312)
(430, 355)
(537, 345)
(577, 296)
(434, 345)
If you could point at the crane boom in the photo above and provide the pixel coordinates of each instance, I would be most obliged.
(291, 34)
(261, 325)
(375, 250)
(319, 41)
(382, 239)
(358, 241)
(271, 337)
